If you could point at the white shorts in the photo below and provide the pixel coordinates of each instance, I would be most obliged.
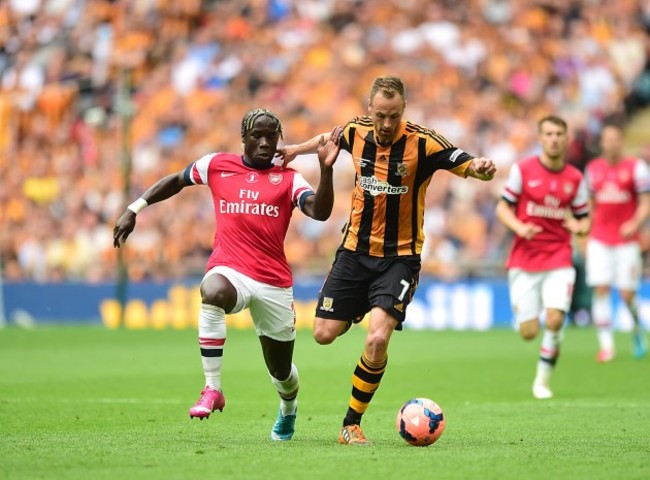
(271, 307)
(617, 266)
(531, 292)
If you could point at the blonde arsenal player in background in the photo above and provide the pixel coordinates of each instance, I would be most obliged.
(253, 202)
(619, 186)
(544, 201)
(377, 266)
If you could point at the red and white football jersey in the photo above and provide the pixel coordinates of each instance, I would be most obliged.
(615, 189)
(544, 197)
(252, 209)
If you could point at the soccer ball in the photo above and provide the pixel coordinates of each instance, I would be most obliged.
(420, 422)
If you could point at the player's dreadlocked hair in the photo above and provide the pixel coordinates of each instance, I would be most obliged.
(248, 120)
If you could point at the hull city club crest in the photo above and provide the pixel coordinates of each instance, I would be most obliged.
(328, 304)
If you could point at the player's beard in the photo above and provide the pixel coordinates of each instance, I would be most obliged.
(384, 139)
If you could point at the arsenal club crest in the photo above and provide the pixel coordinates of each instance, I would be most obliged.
(275, 178)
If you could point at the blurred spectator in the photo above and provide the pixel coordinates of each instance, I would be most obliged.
(193, 67)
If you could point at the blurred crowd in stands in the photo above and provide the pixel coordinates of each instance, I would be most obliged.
(481, 72)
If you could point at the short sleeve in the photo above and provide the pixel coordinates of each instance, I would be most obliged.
(513, 186)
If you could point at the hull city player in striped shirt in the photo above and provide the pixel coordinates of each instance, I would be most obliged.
(544, 201)
(253, 202)
(377, 265)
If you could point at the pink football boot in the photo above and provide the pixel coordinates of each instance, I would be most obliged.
(605, 356)
(210, 401)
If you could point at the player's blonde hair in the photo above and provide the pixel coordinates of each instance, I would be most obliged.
(389, 86)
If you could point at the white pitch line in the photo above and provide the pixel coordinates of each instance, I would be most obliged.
(556, 403)
(534, 404)
(93, 400)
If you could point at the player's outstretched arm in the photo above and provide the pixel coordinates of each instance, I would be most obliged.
(482, 168)
(161, 190)
(319, 206)
(288, 153)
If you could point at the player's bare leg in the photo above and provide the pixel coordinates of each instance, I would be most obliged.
(218, 296)
(529, 330)
(212, 338)
(602, 315)
(284, 376)
(639, 344)
(549, 353)
(326, 330)
(367, 375)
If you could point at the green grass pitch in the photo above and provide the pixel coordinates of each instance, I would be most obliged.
(85, 402)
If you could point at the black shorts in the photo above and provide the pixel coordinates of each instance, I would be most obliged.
(356, 283)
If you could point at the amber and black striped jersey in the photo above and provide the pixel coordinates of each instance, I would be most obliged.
(387, 214)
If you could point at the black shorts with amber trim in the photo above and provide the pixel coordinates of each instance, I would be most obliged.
(356, 283)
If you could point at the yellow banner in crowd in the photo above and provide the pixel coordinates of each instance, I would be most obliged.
(181, 310)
